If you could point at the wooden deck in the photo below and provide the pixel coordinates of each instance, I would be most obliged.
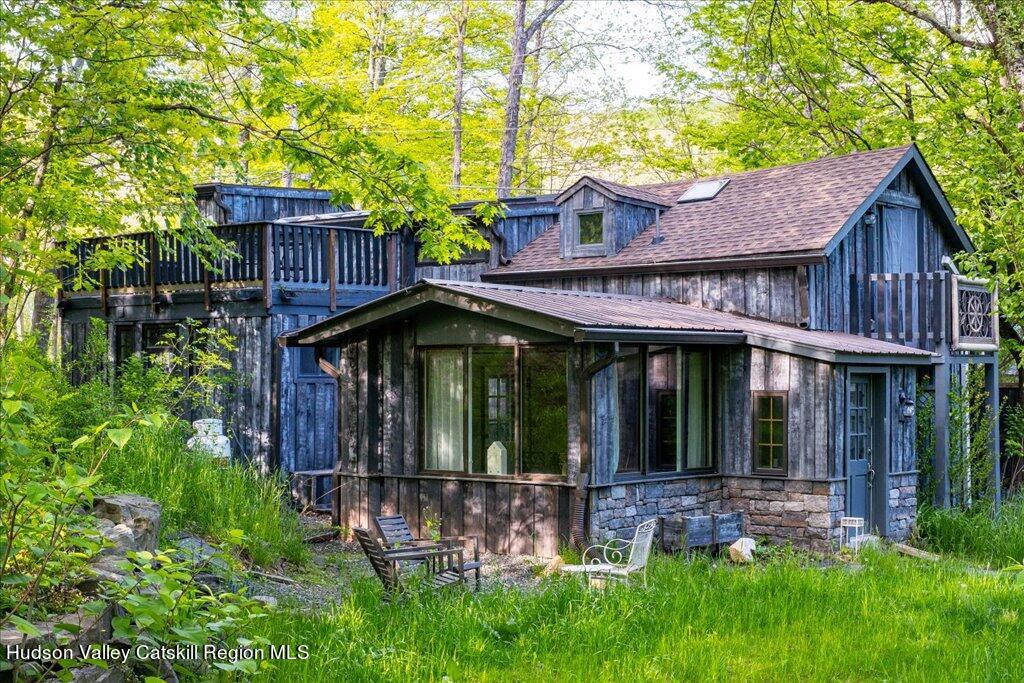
(264, 254)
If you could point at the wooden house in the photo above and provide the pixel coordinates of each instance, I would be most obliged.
(753, 342)
(297, 259)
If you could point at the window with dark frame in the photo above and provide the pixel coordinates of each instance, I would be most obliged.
(474, 398)
(663, 403)
(590, 228)
(770, 421)
(308, 367)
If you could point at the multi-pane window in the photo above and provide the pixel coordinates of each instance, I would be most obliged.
(475, 397)
(590, 226)
(662, 404)
(770, 418)
(492, 405)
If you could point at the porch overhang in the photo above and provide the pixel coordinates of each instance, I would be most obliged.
(598, 317)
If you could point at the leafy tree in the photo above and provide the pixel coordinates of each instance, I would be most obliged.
(110, 111)
(799, 79)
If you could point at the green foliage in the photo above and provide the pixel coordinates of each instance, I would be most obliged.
(696, 621)
(163, 604)
(924, 446)
(970, 441)
(976, 534)
(1013, 445)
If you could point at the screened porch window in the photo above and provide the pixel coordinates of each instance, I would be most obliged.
(662, 403)
(477, 400)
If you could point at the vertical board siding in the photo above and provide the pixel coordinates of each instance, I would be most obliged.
(377, 472)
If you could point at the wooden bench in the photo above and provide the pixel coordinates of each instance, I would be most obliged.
(681, 533)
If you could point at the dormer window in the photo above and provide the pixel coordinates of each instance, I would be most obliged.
(590, 228)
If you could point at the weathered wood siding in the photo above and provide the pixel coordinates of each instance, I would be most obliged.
(242, 204)
(778, 294)
(809, 432)
(378, 469)
(510, 234)
(622, 221)
(834, 295)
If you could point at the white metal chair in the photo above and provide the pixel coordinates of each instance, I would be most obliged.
(610, 562)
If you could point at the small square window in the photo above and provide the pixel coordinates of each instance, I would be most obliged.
(770, 421)
(591, 227)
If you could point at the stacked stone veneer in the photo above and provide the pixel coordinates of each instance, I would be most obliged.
(902, 505)
(804, 512)
(616, 510)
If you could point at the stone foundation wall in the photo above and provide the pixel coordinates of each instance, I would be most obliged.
(615, 511)
(902, 505)
(804, 512)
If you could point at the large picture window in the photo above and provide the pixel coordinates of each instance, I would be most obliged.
(662, 404)
(770, 418)
(496, 410)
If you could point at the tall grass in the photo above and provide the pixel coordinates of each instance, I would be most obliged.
(977, 534)
(895, 618)
(202, 496)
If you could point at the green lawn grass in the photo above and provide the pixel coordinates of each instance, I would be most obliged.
(892, 618)
(996, 540)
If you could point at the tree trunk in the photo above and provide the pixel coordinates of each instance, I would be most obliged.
(521, 35)
(510, 134)
(531, 121)
(461, 19)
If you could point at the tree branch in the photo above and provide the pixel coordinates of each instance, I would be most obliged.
(936, 23)
(538, 21)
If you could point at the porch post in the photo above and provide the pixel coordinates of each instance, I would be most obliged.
(941, 462)
(992, 387)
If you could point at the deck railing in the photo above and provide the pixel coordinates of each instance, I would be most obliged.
(925, 310)
(325, 257)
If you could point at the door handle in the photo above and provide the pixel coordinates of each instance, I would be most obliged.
(871, 475)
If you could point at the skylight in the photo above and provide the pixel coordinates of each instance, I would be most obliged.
(702, 191)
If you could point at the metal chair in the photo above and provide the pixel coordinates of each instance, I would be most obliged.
(609, 561)
(396, 534)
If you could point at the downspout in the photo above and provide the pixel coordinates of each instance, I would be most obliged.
(658, 237)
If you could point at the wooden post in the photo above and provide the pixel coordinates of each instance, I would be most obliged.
(393, 270)
(267, 270)
(332, 268)
(103, 291)
(207, 298)
(992, 387)
(152, 271)
(941, 468)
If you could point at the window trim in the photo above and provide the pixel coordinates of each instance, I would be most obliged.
(755, 412)
(590, 248)
(646, 471)
(466, 349)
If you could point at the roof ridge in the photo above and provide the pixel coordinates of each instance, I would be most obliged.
(794, 164)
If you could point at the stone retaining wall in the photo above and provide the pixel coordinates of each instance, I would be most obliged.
(615, 511)
(902, 505)
(804, 512)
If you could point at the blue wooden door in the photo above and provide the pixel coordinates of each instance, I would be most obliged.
(899, 239)
(861, 441)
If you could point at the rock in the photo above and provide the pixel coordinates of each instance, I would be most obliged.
(554, 566)
(139, 513)
(92, 629)
(267, 600)
(121, 536)
(742, 551)
(95, 674)
(198, 551)
(858, 542)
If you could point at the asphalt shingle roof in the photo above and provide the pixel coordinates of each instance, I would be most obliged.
(773, 211)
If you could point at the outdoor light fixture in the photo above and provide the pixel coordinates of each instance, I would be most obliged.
(907, 406)
(869, 218)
